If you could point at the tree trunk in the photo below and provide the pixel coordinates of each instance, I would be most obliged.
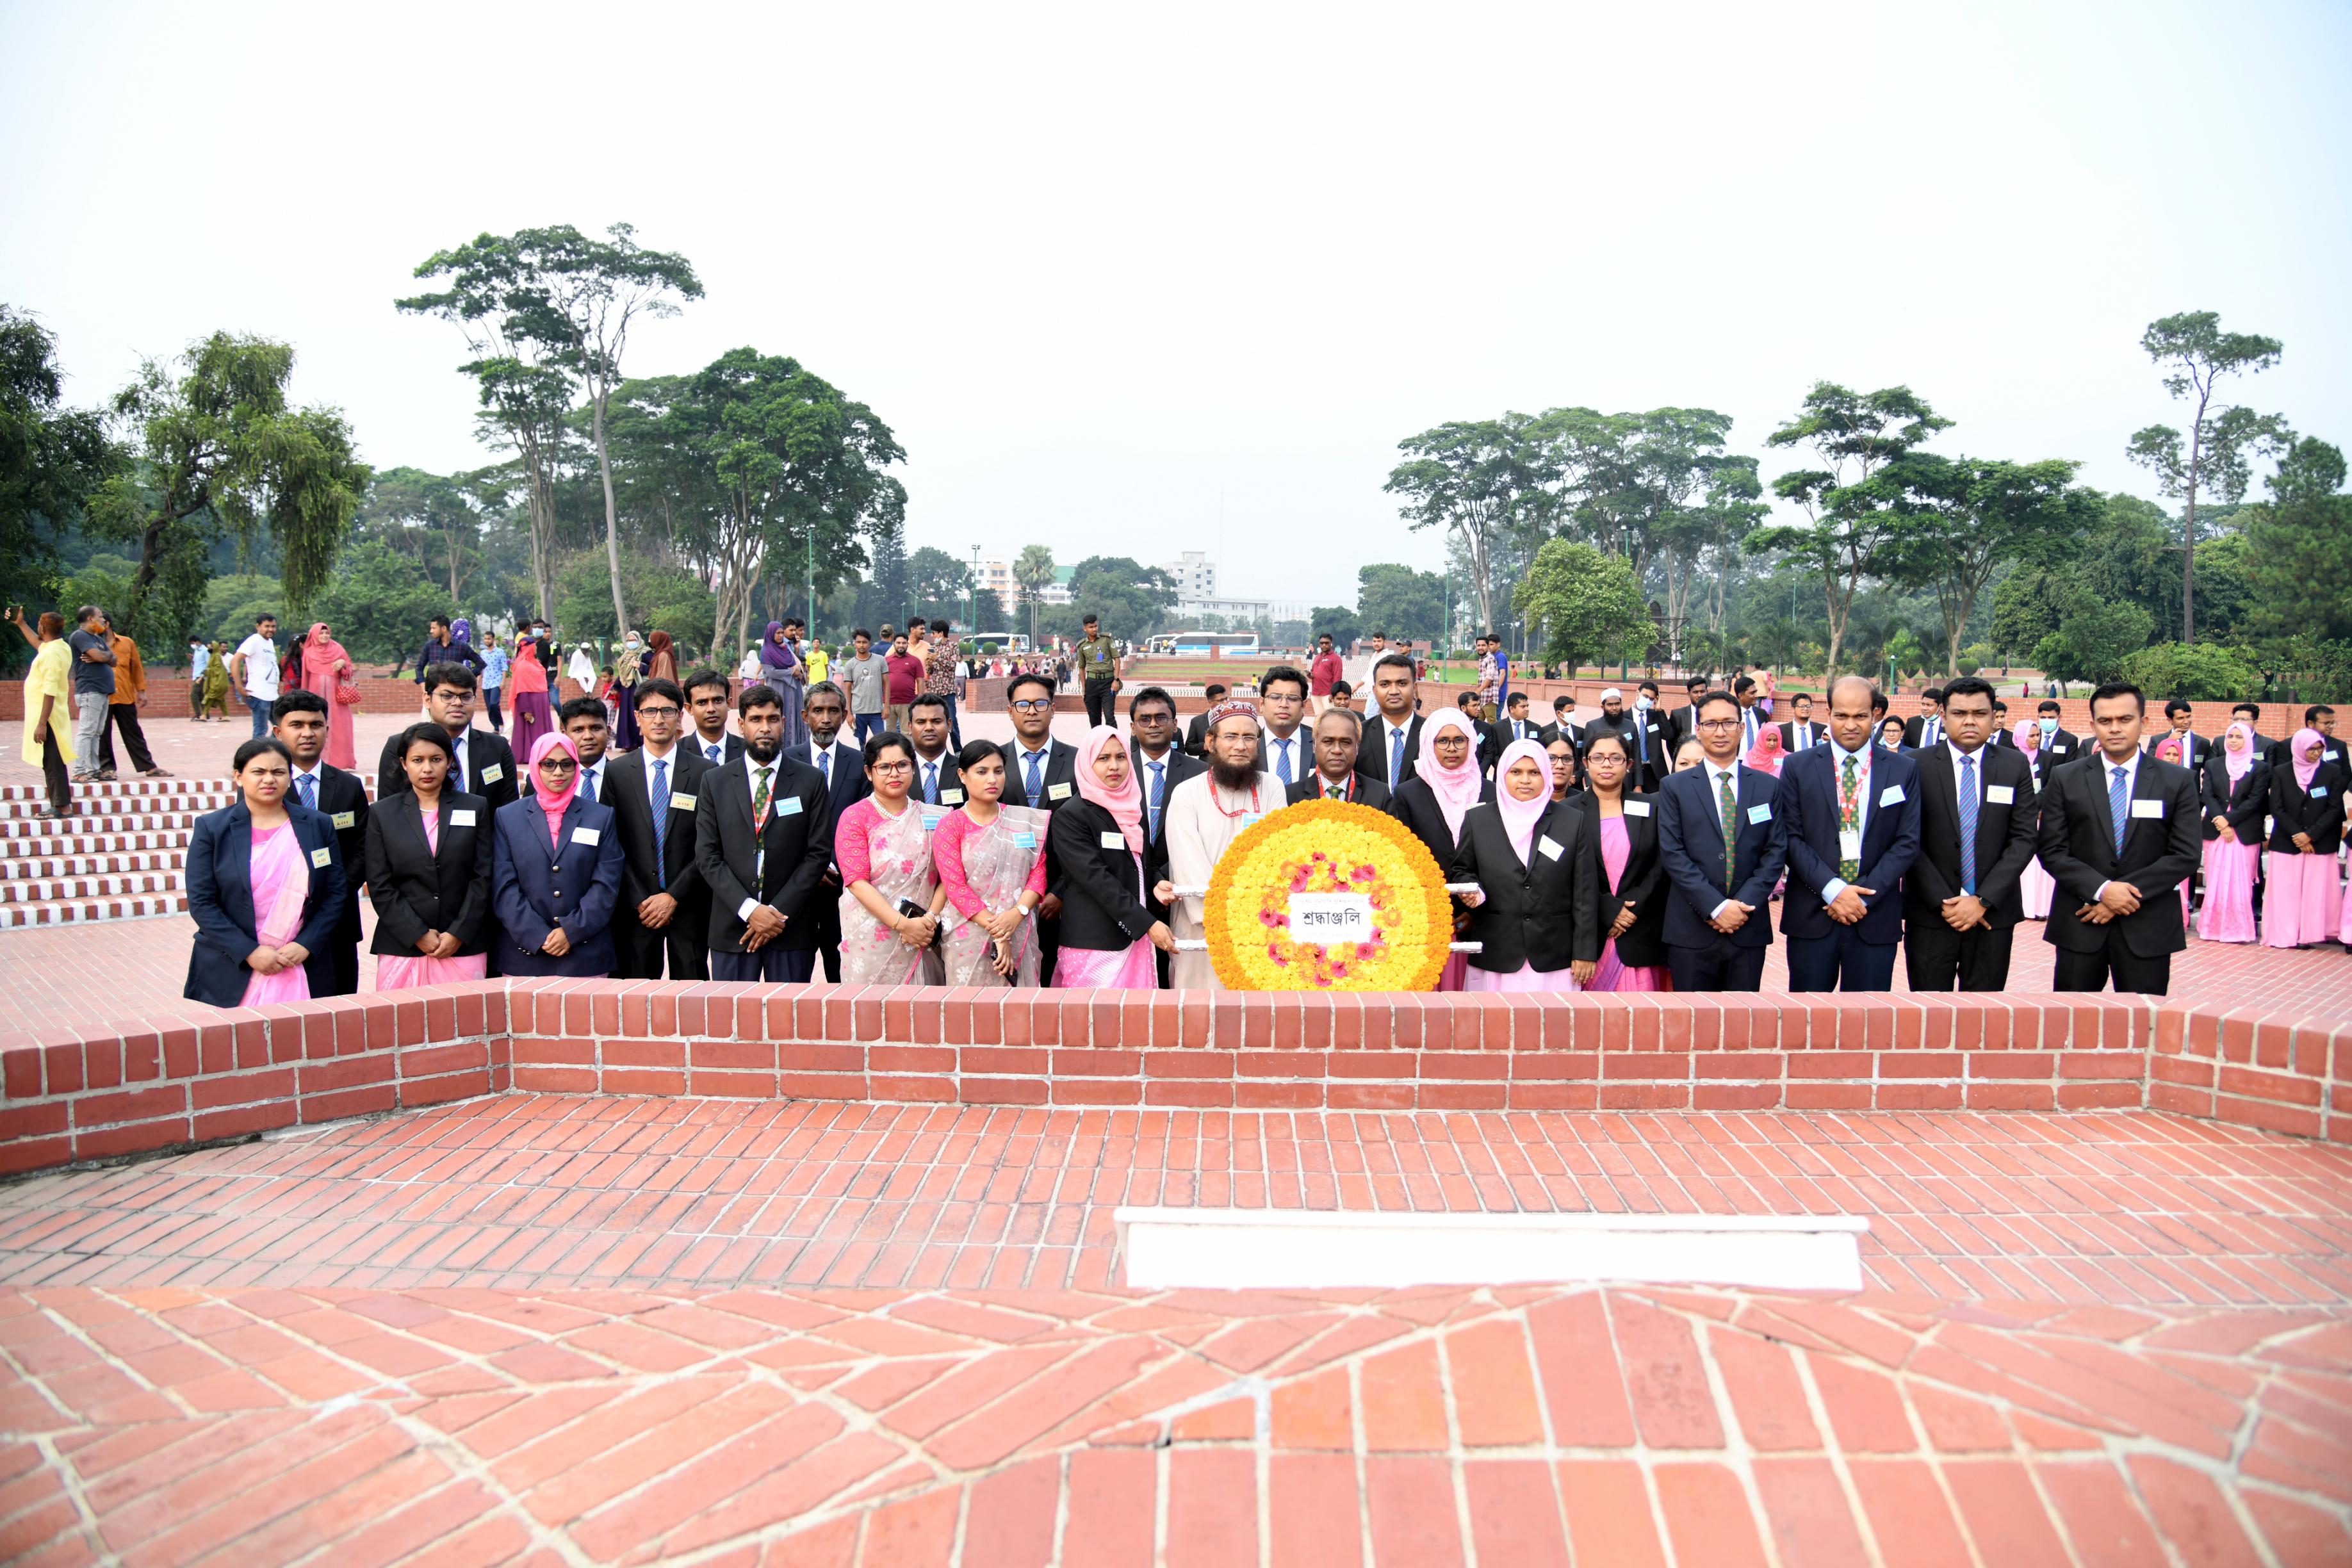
(612, 510)
(2188, 530)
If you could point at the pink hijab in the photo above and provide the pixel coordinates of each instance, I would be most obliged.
(2306, 768)
(1764, 754)
(1520, 817)
(1456, 789)
(550, 801)
(2238, 764)
(1126, 806)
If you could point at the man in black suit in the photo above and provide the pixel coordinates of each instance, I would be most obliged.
(656, 793)
(1800, 734)
(486, 763)
(2059, 746)
(842, 767)
(930, 721)
(1339, 735)
(2000, 735)
(1390, 752)
(299, 719)
(706, 704)
(1196, 734)
(762, 838)
(1850, 817)
(2194, 748)
(1159, 763)
(1682, 724)
(1562, 726)
(2119, 834)
(1961, 902)
(1643, 734)
(1926, 728)
(1718, 927)
(2319, 716)
(1514, 725)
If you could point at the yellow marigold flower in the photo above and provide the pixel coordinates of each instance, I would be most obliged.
(1327, 846)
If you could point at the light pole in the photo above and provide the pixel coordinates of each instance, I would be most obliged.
(972, 599)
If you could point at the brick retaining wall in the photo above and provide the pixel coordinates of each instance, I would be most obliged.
(137, 1089)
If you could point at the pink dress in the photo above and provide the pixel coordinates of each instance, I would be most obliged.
(894, 854)
(1614, 974)
(342, 750)
(987, 868)
(2299, 906)
(280, 875)
(2230, 873)
(407, 970)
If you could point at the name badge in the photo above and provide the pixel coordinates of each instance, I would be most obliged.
(1029, 841)
(2329, 755)
(342, 819)
(2057, 746)
(2318, 792)
(1058, 791)
(586, 836)
(494, 773)
(1114, 840)
(789, 806)
(2148, 808)
(1759, 813)
(1251, 819)
(2000, 795)
(931, 820)
(1891, 795)
(1849, 843)
(321, 856)
(951, 797)
(1637, 808)
(462, 818)
(682, 802)
(1546, 848)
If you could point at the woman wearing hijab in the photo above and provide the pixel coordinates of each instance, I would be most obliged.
(890, 896)
(1536, 915)
(265, 887)
(327, 670)
(555, 872)
(1106, 863)
(661, 657)
(780, 668)
(1765, 754)
(1632, 889)
(992, 861)
(2167, 750)
(2299, 906)
(1446, 783)
(429, 863)
(534, 715)
(2237, 789)
(216, 685)
(628, 671)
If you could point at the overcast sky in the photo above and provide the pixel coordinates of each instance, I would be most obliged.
(1126, 280)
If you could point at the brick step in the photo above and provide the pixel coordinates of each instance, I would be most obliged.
(66, 841)
(30, 866)
(118, 805)
(113, 788)
(79, 911)
(36, 829)
(41, 890)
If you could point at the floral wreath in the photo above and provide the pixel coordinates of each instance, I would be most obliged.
(1327, 846)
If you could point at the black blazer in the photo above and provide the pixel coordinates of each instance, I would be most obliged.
(1196, 735)
(951, 783)
(1808, 803)
(2004, 836)
(490, 764)
(416, 887)
(1102, 910)
(1914, 731)
(1362, 788)
(2078, 849)
(343, 802)
(799, 845)
(1690, 852)
(2243, 806)
(1181, 765)
(2062, 746)
(1498, 735)
(1818, 736)
(2316, 808)
(850, 786)
(633, 823)
(1643, 885)
(1545, 912)
(1060, 775)
(733, 746)
(1551, 732)
(220, 897)
(1414, 804)
(1372, 753)
(1656, 739)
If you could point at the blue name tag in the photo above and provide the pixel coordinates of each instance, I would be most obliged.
(1024, 841)
(789, 806)
(1759, 813)
(931, 821)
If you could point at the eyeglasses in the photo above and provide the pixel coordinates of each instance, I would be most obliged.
(650, 711)
(1033, 704)
(898, 767)
(1718, 723)
(558, 766)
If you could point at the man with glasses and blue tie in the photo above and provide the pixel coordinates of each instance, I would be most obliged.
(1965, 894)
(1282, 712)
(299, 719)
(655, 791)
(2120, 833)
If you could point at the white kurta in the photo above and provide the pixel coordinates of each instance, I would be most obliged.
(1198, 829)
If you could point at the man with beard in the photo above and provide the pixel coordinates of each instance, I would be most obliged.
(763, 840)
(1682, 724)
(1204, 815)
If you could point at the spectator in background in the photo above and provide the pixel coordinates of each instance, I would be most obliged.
(902, 683)
(1196, 734)
(215, 683)
(866, 672)
(534, 711)
(494, 680)
(441, 646)
(123, 713)
(783, 671)
(939, 677)
(199, 658)
(327, 670)
(1323, 672)
(48, 743)
(92, 647)
(254, 667)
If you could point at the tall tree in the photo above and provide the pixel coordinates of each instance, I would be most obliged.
(430, 517)
(2299, 547)
(1032, 573)
(1130, 598)
(1854, 501)
(1477, 479)
(223, 451)
(1588, 603)
(1400, 602)
(575, 300)
(2197, 353)
(938, 582)
(52, 458)
(1969, 518)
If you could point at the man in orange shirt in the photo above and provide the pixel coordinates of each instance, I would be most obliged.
(123, 713)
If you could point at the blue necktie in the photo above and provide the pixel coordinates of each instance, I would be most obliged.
(930, 784)
(1396, 758)
(1968, 825)
(1282, 760)
(824, 766)
(2118, 806)
(661, 820)
(587, 786)
(1034, 757)
(310, 792)
(1159, 781)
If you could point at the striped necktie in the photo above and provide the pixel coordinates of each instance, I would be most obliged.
(1726, 797)
(1968, 823)
(659, 796)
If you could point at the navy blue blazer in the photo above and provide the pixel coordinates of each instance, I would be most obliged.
(1890, 840)
(534, 888)
(220, 896)
(1690, 851)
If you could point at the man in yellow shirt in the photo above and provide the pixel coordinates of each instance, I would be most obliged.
(48, 707)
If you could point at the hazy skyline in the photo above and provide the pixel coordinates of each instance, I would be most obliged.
(1134, 281)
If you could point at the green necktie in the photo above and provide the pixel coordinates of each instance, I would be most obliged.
(1849, 812)
(1727, 796)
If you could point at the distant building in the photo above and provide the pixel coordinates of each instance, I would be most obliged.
(1196, 577)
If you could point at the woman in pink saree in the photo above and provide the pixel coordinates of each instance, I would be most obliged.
(2237, 790)
(991, 858)
(2167, 750)
(265, 887)
(325, 669)
(890, 896)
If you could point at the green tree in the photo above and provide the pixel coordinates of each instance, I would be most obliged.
(52, 460)
(232, 603)
(2298, 548)
(1856, 501)
(1132, 598)
(224, 452)
(1032, 573)
(1477, 479)
(575, 300)
(938, 582)
(2201, 672)
(1401, 601)
(2197, 353)
(2095, 635)
(1586, 601)
(430, 517)
(667, 597)
(1971, 517)
(378, 600)
(1336, 619)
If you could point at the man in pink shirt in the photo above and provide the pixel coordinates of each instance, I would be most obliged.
(1321, 672)
(902, 679)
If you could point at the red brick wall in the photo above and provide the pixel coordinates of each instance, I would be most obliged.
(146, 1088)
(167, 695)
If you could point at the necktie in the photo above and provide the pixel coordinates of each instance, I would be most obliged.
(760, 801)
(457, 766)
(716, 750)
(1396, 758)
(1282, 761)
(2119, 805)
(1726, 797)
(1641, 741)
(588, 786)
(310, 792)
(930, 784)
(660, 793)
(1850, 812)
(824, 766)
(1035, 783)
(1158, 782)
(1968, 824)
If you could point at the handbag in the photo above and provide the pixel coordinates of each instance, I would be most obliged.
(346, 692)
